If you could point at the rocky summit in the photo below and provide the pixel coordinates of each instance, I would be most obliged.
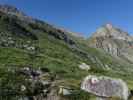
(109, 31)
(39, 61)
(114, 41)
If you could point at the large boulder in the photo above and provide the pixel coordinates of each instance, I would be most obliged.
(105, 87)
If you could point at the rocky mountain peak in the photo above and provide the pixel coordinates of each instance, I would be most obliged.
(109, 26)
(10, 10)
(113, 40)
(109, 31)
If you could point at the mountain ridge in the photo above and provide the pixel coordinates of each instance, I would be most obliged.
(109, 30)
(29, 46)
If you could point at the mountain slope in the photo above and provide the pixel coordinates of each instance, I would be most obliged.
(25, 41)
(114, 41)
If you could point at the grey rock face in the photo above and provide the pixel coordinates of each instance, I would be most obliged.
(105, 87)
(114, 41)
(109, 31)
(108, 45)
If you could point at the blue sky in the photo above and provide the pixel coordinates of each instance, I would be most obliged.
(81, 16)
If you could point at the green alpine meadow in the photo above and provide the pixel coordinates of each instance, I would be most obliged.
(40, 61)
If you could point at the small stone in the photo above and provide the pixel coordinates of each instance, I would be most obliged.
(30, 48)
(23, 88)
(64, 91)
(84, 66)
(45, 82)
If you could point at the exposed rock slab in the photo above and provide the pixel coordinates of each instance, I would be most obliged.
(105, 87)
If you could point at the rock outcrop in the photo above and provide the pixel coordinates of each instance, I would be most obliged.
(110, 31)
(41, 85)
(114, 41)
(105, 87)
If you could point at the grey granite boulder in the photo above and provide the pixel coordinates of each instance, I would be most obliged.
(105, 87)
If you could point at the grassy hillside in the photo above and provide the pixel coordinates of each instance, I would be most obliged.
(54, 49)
